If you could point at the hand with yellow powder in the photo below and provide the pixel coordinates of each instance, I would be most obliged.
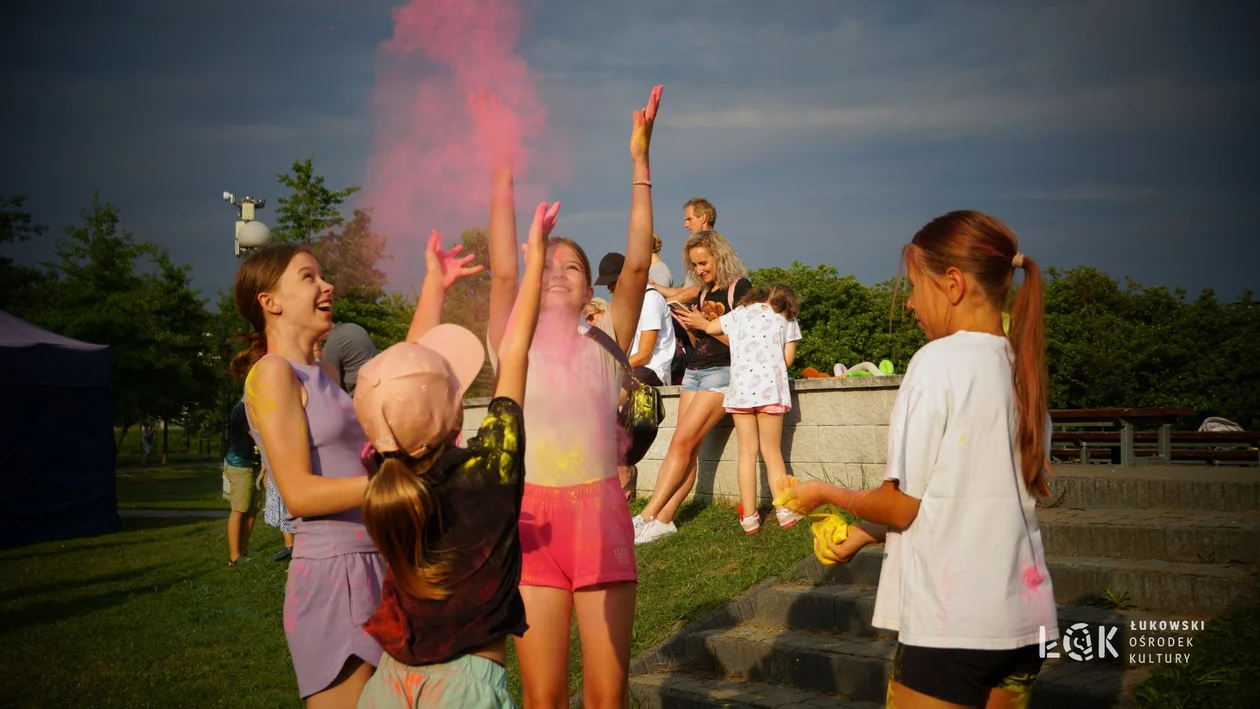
(835, 540)
(830, 529)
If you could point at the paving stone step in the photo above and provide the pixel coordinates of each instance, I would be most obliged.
(693, 691)
(1175, 589)
(1170, 587)
(857, 668)
(1204, 536)
(847, 609)
(1176, 487)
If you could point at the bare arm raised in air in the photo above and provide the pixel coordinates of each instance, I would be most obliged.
(504, 265)
(273, 398)
(632, 283)
(519, 333)
(443, 268)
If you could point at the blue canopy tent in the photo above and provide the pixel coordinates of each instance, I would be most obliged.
(56, 434)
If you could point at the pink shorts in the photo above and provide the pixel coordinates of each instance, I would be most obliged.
(778, 409)
(576, 537)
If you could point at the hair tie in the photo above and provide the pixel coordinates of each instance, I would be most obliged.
(1018, 261)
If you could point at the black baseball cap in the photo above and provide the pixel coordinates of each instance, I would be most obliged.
(610, 268)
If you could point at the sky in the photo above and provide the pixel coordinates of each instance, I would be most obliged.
(1117, 134)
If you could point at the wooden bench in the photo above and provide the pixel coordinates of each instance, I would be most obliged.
(1126, 420)
(1238, 446)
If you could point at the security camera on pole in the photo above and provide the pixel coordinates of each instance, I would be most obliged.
(249, 233)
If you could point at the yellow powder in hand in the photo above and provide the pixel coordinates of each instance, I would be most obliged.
(829, 528)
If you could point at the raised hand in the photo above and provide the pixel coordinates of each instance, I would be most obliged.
(641, 135)
(498, 130)
(544, 221)
(449, 266)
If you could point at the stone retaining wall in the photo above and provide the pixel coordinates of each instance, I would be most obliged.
(837, 431)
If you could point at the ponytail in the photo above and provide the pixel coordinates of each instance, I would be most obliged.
(987, 249)
(1027, 337)
(255, 349)
(258, 273)
(401, 514)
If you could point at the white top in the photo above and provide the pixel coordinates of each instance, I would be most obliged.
(571, 392)
(969, 571)
(758, 371)
(655, 316)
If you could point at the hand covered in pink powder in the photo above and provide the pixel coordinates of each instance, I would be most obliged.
(449, 266)
(544, 221)
(644, 119)
(497, 128)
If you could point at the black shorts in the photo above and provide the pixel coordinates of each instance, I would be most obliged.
(965, 676)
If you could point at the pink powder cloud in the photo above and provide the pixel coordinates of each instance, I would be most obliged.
(431, 156)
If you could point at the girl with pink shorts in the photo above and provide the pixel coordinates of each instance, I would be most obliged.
(763, 334)
(577, 542)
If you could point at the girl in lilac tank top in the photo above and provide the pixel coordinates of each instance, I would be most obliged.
(311, 444)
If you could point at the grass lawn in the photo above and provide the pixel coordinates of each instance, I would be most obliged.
(152, 616)
(179, 448)
(1222, 671)
(176, 487)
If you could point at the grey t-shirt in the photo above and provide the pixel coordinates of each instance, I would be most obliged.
(348, 347)
(660, 275)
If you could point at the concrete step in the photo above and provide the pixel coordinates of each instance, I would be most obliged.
(698, 691)
(1173, 587)
(857, 669)
(847, 609)
(1174, 487)
(1169, 535)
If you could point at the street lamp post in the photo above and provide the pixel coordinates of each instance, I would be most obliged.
(250, 234)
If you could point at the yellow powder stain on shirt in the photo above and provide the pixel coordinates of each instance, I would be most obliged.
(254, 398)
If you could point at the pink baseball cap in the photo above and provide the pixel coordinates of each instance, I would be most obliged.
(410, 397)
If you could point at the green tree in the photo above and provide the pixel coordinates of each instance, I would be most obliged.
(153, 322)
(844, 321)
(19, 284)
(468, 303)
(385, 320)
(348, 258)
(311, 208)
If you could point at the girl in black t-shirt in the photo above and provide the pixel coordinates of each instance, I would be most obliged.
(444, 517)
(710, 261)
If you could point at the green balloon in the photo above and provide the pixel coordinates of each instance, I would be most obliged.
(886, 367)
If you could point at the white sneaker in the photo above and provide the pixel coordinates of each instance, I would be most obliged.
(786, 517)
(751, 523)
(654, 530)
(639, 523)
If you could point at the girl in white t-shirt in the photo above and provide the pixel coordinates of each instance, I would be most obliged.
(964, 581)
(763, 333)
